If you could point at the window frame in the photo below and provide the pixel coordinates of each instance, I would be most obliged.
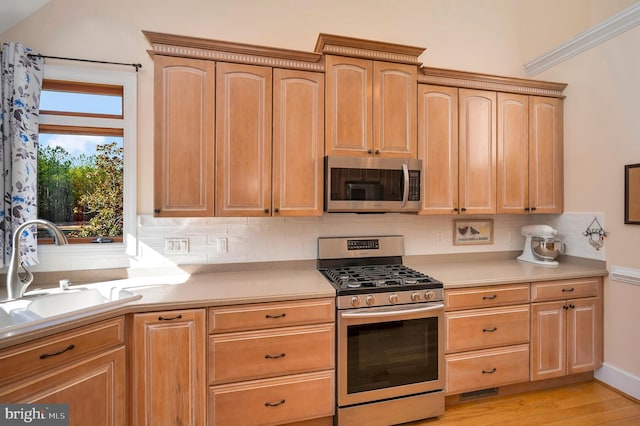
(92, 255)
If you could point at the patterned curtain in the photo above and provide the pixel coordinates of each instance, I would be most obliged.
(20, 86)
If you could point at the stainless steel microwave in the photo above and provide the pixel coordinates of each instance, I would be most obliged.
(372, 185)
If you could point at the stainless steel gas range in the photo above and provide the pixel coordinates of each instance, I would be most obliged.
(390, 332)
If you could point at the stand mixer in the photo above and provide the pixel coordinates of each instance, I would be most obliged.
(541, 245)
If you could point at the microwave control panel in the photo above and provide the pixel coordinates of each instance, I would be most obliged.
(414, 185)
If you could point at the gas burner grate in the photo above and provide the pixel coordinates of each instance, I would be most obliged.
(368, 276)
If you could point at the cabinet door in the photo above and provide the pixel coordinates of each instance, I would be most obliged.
(477, 151)
(584, 322)
(348, 106)
(298, 143)
(394, 110)
(243, 140)
(93, 387)
(438, 148)
(548, 340)
(184, 138)
(168, 369)
(545, 155)
(513, 154)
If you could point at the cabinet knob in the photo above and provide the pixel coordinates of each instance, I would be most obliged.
(455, 209)
(464, 209)
(369, 151)
(533, 209)
(276, 210)
(156, 211)
(526, 209)
(377, 151)
(266, 210)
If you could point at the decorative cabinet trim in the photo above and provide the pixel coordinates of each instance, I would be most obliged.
(463, 79)
(216, 50)
(368, 49)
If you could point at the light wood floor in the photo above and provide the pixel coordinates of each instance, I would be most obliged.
(583, 404)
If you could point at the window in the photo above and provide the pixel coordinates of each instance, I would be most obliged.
(86, 166)
(80, 166)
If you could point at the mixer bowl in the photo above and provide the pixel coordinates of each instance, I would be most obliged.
(546, 248)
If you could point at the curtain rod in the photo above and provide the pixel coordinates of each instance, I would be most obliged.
(136, 66)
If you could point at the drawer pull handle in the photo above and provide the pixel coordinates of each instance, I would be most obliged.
(493, 370)
(568, 290)
(489, 297)
(274, 404)
(161, 318)
(490, 330)
(68, 348)
(267, 356)
(269, 316)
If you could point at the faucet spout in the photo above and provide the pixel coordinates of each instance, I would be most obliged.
(16, 284)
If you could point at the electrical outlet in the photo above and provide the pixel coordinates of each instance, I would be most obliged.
(439, 238)
(176, 245)
(222, 245)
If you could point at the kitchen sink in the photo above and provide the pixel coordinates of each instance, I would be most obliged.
(38, 307)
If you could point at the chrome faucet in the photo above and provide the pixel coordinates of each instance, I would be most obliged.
(16, 284)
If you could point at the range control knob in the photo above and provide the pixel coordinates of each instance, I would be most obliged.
(371, 300)
(355, 301)
(393, 298)
(429, 295)
(415, 296)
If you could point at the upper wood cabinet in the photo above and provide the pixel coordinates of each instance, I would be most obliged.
(298, 143)
(529, 154)
(546, 185)
(438, 148)
(370, 108)
(184, 137)
(269, 161)
(243, 140)
(477, 152)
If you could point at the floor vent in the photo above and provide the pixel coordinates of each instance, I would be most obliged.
(482, 393)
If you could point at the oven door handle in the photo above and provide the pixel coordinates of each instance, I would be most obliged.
(370, 313)
(405, 194)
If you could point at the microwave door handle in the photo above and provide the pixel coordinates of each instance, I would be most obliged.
(405, 195)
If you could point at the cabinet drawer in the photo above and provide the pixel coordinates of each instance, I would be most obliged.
(488, 296)
(487, 368)
(272, 401)
(485, 328)
(252, 355)
(565, 289)
(43, 354)
(270, 315)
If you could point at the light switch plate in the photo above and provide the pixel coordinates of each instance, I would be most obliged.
(176, 245)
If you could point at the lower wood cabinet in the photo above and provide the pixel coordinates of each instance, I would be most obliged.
(85, 368)
(272, 363)
(566, 332)
(168, 368)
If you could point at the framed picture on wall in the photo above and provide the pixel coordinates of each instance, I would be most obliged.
(632, 194)
(473, 231)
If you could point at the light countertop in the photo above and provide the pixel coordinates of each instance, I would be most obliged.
(281, 283)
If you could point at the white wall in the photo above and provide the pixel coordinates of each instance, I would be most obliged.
(489, 36)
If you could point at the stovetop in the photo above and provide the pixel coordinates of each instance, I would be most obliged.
(378, 278)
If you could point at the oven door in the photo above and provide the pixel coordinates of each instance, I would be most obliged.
(389, 352)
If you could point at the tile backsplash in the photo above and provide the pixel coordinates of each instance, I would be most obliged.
(242, 240)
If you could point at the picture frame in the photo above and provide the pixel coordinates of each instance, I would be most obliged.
(472, 231)
(632, 194)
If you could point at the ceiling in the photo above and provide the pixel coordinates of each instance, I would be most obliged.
(14, 11)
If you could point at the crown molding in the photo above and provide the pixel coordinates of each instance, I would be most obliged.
(367, 49)
(607, 29)
(201, 48)
(472, 80)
